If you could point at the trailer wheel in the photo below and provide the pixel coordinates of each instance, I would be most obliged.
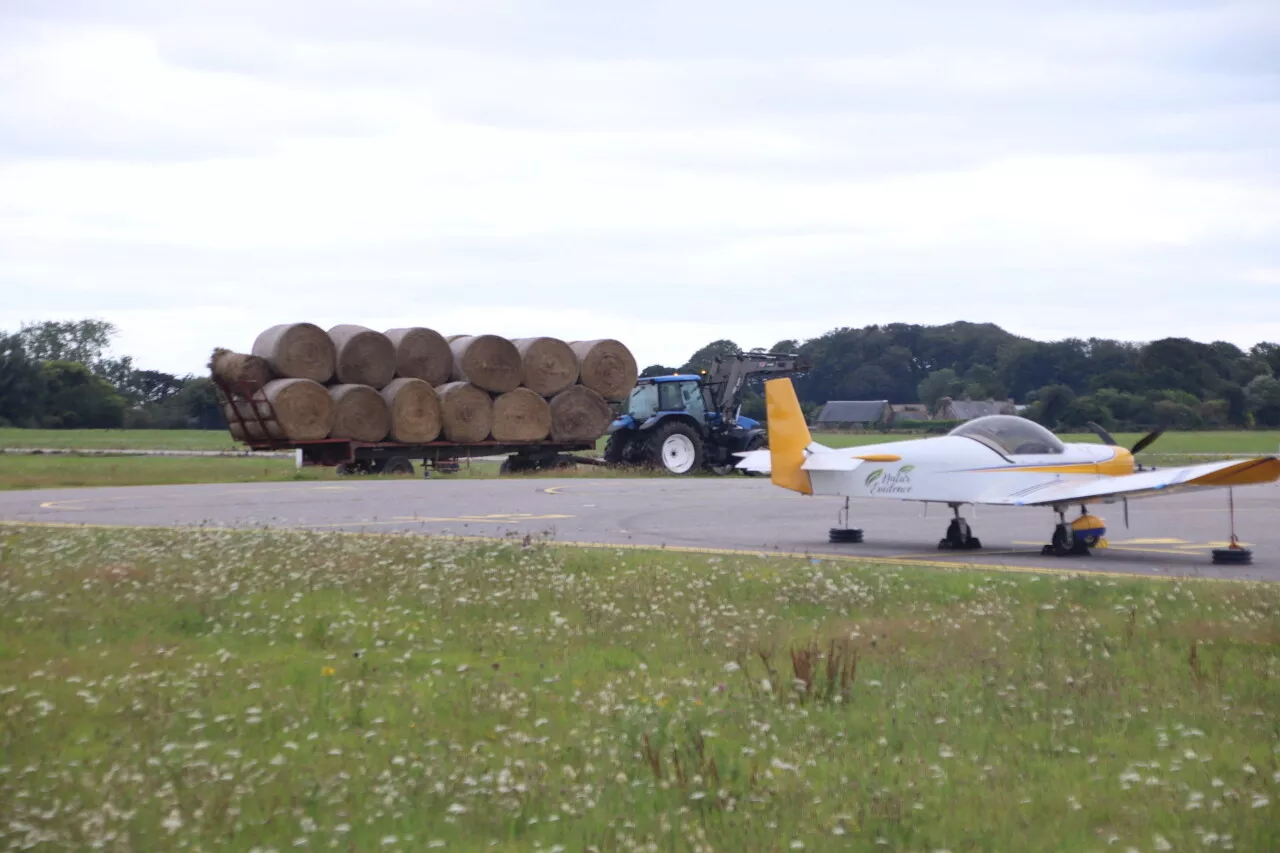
(398, 465)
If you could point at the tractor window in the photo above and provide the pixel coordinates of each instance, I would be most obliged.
(669, 397)
(693, 404)
(644, 401)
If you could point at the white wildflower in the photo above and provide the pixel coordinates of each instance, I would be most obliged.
(1162, 843)
(173, 822)
(731, 667)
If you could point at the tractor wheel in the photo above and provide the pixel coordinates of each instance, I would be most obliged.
(676, 448)
(615, 448)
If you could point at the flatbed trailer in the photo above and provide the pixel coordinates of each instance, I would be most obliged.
(386, 457)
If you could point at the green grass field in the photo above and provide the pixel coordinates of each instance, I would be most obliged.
(119, 439)
(253, 691)
(31, 472)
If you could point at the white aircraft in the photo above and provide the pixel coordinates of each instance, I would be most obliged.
(1001, 460)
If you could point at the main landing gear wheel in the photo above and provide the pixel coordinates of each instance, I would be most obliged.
(959, 537)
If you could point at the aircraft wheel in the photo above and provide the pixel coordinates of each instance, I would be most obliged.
(1233, 556)
(845, 534)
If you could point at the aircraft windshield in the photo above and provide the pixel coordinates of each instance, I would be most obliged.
(1011, 435)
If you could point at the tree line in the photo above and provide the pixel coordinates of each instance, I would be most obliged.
(1173, 382)
(56, 375)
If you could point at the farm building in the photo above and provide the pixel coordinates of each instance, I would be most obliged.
(900, 412)
(853, 413)
(966, 410)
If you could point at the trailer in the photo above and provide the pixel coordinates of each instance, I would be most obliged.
(242, 405)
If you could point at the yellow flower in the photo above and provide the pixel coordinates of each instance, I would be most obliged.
(327, 671)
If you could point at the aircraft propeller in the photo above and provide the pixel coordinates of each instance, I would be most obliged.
(1139, 446)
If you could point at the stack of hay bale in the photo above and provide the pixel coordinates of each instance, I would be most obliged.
(414, 385)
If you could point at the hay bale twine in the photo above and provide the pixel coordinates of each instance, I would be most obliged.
(415, 410)
(239, 369)
(304, 411)
(466, 412)
(607, 367)
(364, 357)
(297, 351)
(521, 415)
(489, 362)
(421, 354)
(359, 413)
(579, 414)
(549, 365)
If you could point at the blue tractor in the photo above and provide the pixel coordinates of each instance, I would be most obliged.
(691, 422)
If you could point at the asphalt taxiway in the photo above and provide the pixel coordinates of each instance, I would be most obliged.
(1168, 536)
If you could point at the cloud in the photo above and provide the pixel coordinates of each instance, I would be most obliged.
(663, 173)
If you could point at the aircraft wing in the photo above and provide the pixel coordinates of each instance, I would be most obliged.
(1163, 481)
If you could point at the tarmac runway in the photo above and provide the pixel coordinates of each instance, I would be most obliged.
(1168, 536)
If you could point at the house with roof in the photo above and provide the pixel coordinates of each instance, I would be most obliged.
(844, 414)
(899, 412)
(967, 410)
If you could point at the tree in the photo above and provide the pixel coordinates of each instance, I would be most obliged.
(1237, 406)
(658, 370)
(939, 384)
(22, 386)
(79, 400)
(983, 383)
(1263, 394)
(1053, 403)
(81, 341)
(703, 358)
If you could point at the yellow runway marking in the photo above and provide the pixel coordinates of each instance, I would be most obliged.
(495, 518)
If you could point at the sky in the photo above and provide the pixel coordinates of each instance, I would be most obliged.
(663, 173)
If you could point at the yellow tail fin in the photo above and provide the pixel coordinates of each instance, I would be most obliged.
(788, 436)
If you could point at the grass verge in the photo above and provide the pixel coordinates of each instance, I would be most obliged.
(303, 691)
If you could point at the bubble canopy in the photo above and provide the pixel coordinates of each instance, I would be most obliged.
(1011, 435)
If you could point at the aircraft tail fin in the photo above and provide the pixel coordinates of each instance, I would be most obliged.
(788, 437)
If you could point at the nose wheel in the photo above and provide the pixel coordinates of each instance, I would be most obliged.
(1076, 538)
(959, 537)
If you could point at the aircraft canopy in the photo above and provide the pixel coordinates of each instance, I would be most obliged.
(1010, 435)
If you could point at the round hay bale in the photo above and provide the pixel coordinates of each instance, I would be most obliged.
(579, 414)
(549, 365)
(415, 410)
(304, 411)
(606, 367)
(297, 351)
(239, 369)
(489, 362)
(359, 413)
(521, 415)
(466, 412)
(364, 357)
(421, 354)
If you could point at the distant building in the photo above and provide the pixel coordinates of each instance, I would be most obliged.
(854, 413)
(967, 410)
(899, 412)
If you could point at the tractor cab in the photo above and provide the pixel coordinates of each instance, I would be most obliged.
(686, 422)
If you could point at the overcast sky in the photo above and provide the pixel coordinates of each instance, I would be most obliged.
(656, 172)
